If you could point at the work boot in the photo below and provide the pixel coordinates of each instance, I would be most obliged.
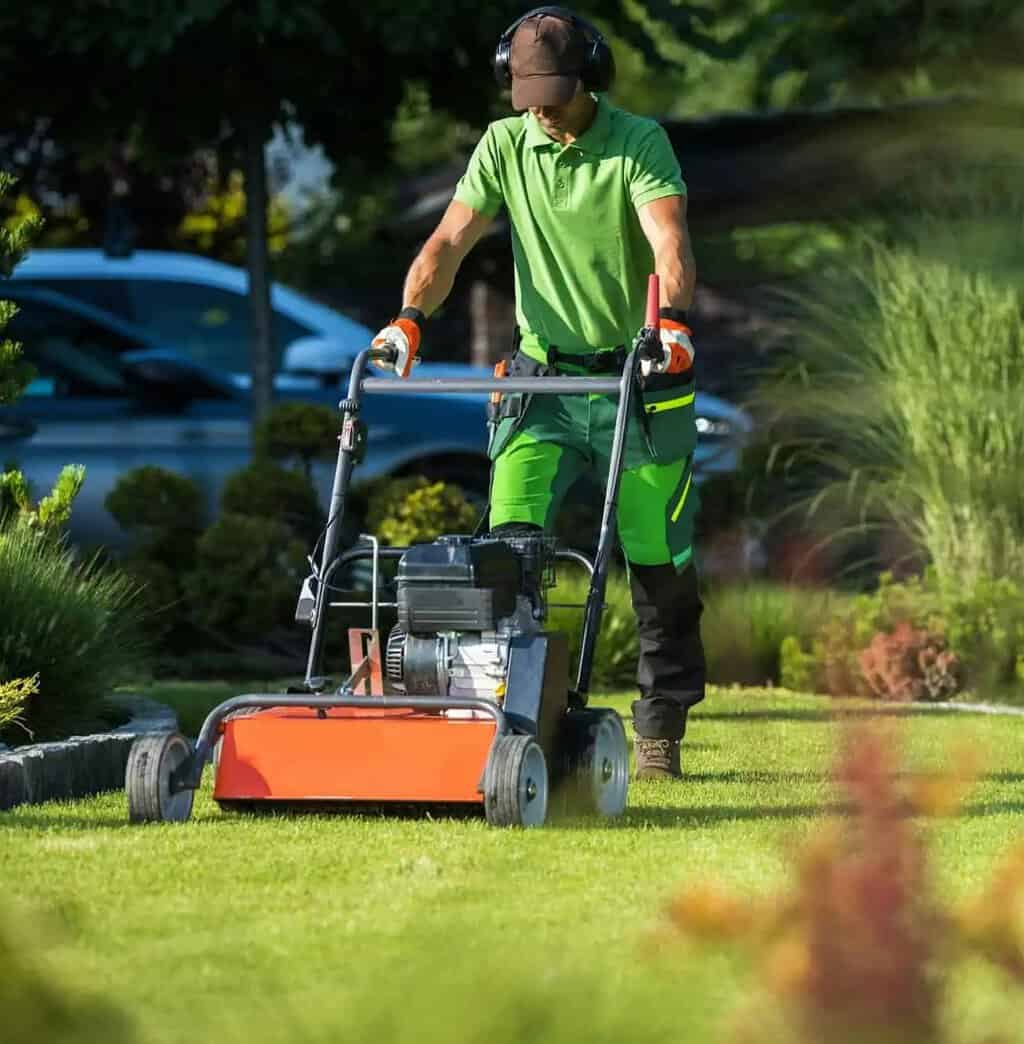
(657, 758)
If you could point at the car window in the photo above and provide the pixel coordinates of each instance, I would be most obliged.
(208, 324)
(109, 294)
(73, 357)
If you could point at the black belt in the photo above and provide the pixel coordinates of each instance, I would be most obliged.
(608, 360)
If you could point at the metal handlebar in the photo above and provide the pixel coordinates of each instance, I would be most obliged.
(351, 441)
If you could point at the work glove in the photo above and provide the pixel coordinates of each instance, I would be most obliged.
(676, 346)
(402, 335)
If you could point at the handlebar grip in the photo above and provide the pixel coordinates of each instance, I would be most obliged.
(653, 321)
(383, 353)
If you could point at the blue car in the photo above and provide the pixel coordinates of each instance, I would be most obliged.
(200, 307)
(111, 397)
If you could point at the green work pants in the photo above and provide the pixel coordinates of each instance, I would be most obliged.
(539, 454)
(560, 438)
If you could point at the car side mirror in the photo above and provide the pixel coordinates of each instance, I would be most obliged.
(166, 373)
(325, 358)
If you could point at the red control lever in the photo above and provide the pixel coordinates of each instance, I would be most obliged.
(648, 341)
(653, 321)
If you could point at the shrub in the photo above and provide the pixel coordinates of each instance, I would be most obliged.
(50, 516)
(985, 626)
(909, 664)
(13, 696)
(798, 669)
(414, 510)
(162, 509)
(298, 431)
(268, 491)
(72, 623)
(15, 236)
(247, 577)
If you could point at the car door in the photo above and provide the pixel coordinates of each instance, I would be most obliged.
(85, 407)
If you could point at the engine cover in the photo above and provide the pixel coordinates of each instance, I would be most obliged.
(461, 666)
(528, 674)
(457, 584)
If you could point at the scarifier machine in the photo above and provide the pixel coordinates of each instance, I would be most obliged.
(467, 704)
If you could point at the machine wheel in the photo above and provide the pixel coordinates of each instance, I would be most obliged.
(516, 791)
(147, 779)
(597, 760)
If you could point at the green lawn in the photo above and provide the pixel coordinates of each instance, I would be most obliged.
(233, 928)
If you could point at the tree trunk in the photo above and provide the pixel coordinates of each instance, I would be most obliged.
(262, 348)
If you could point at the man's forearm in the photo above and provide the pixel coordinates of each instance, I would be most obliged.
(677, 271)
(431, 276)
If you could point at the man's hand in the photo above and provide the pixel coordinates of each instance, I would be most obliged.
(402, 335)
(676, 347)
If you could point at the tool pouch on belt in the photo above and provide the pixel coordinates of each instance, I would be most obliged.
(666, 428)
(508, 416)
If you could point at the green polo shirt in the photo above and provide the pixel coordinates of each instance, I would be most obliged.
(581, 258)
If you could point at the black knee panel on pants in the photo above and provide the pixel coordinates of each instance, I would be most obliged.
(671, 669)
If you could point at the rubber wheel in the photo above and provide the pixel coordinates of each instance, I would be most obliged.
(516, 791)
(597, 761)
(148, 777)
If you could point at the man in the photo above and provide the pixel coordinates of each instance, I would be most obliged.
(596, 202)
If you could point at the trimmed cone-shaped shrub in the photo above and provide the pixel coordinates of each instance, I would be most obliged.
(247, 577)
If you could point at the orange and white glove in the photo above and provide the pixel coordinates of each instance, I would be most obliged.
(677, 348)
(402, 335)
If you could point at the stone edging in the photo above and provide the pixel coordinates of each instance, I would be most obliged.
(80, 765)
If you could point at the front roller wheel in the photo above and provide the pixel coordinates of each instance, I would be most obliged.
(516, 789)
(598, 761)
(147, 779)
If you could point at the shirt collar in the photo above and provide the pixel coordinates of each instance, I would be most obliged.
(593, 139)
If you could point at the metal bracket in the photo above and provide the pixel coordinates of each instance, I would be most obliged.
(364, 649)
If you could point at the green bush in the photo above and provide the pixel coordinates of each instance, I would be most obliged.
(269, 491)
(74, 624)
(14, 695)
(414, 510)
(162, 510)
(798, 669)
(50, 516)
(298, 432)
(903, 397)
(247, 577)
(985, 627)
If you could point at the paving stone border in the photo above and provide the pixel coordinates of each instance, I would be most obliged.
(80, 765)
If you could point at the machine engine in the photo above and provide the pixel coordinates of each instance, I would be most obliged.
(471, 617)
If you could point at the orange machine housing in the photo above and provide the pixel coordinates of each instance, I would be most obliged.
(353, 754)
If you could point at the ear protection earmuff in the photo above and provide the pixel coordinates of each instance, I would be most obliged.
(598, 69)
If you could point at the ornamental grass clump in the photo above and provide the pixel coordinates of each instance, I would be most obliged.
(901, 404)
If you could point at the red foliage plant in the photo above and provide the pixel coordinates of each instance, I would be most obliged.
(910, 664)
(860, 948)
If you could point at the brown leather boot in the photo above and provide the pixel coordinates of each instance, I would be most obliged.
(657, 758)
